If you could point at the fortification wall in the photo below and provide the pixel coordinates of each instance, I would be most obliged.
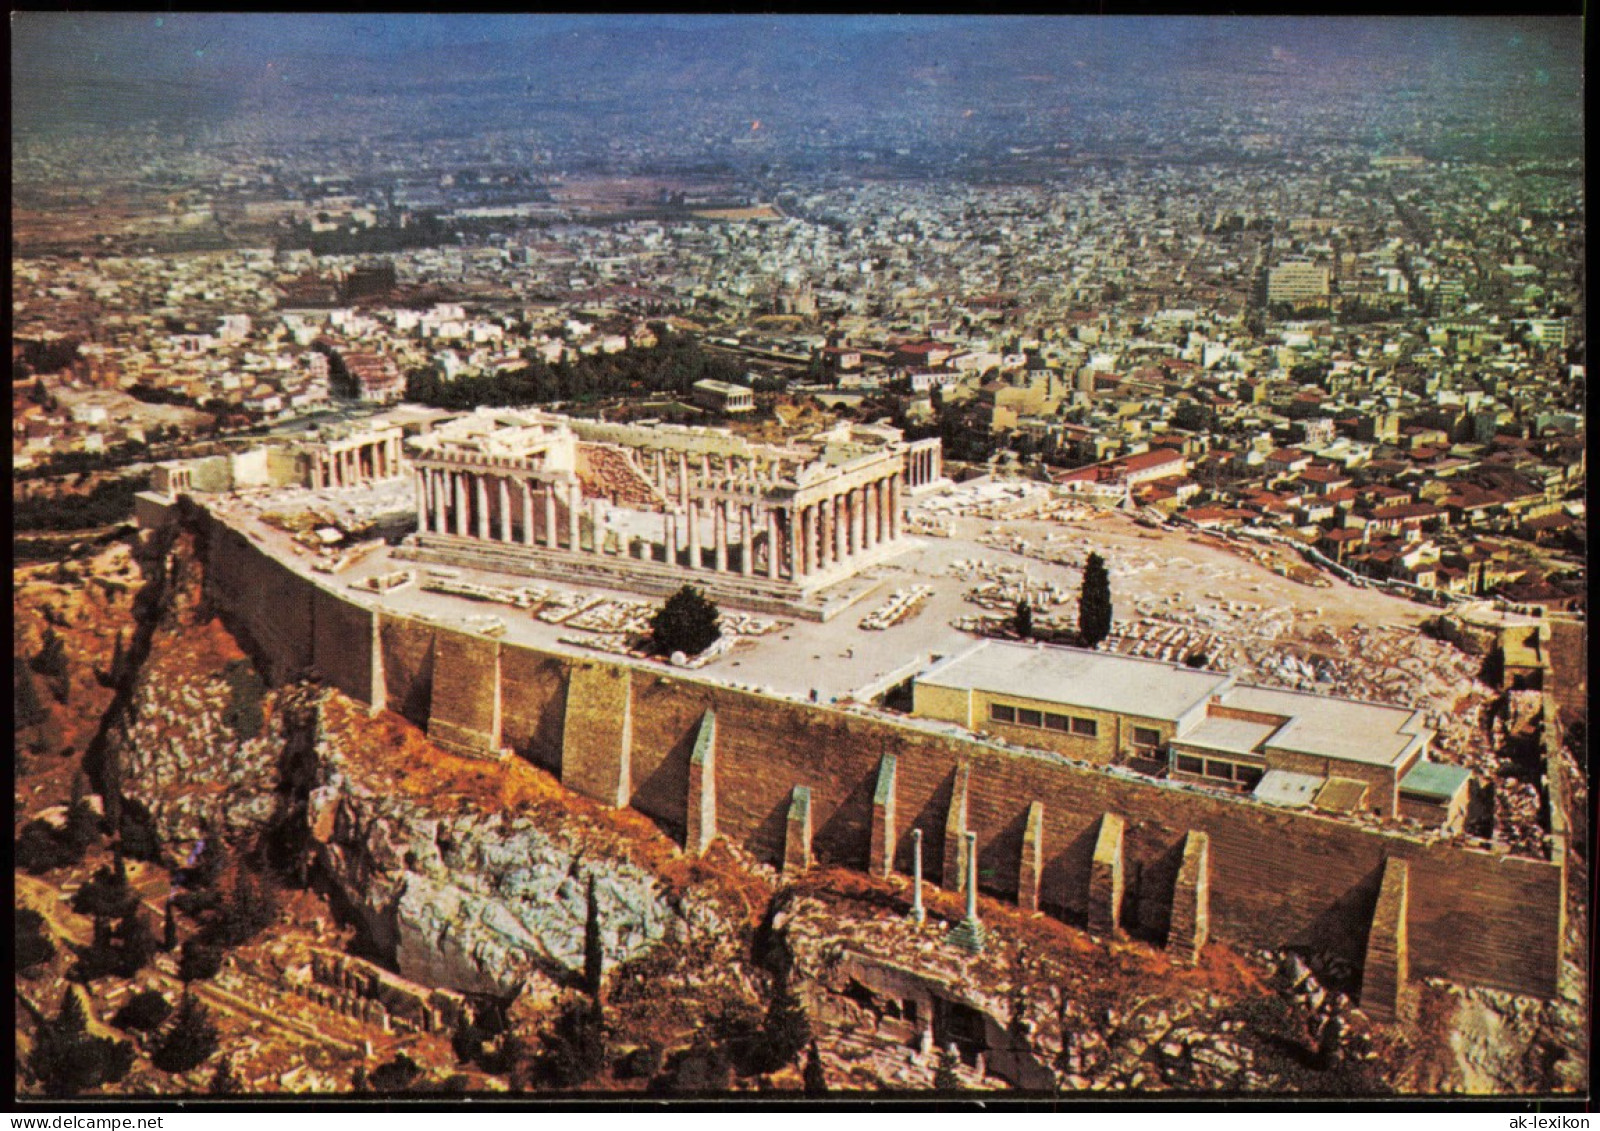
(407, 647)
(264, 602)
(534, 704)
(465, 710)
(1276, 877)
(342, 643)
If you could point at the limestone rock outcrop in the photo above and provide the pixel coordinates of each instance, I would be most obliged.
(470, 900)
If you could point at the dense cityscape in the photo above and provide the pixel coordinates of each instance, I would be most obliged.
(1266, 334)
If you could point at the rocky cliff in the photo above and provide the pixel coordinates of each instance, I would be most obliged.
(471, 900)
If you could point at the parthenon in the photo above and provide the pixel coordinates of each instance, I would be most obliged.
(648, 507)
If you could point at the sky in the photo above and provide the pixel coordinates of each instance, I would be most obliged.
(111, 68)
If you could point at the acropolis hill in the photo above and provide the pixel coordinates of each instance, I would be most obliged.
(1107, 820)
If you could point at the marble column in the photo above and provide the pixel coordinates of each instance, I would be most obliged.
(806, 527)
(480, 489)
(573, 498)
(683, 480)
(772, 545)
(505, 509)
(460, 478)
(894, 506)
(550, 539)
(422, 504)
(747, 542)
(691, 522)
(527, 513)
(669, 536)
(841, 527)
(441, 500)
(719, 533)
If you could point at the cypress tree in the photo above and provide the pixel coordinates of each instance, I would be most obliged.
(593, 953)
(52, 657)
(169, 930)
(816, 1080)
(1022, 621)
(190, 1039)
(111, 786)
(72, 1021)
(1094, 603)
(223, 1081)
(25, 698)
(944, 1077)
(138, 943)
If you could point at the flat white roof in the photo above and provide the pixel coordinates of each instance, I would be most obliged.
(1074, 677)
(1322, 726)
(1226, 736)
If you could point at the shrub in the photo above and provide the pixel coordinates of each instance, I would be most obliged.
(107, 893)
(143, 1012)
(189, 1040)
(575, 1046)
(199, 961)
(395, 1076)
(640, 1064)
(67, 1061)
(41, 849)
(687, 623)
(31, 947)
(243, 714)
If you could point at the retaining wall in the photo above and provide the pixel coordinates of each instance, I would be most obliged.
(613, 731)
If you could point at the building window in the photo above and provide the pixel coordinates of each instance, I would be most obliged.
(1002, 714)
(1248, 776)
(1188, 765)
(1086, 727)
(1146, 736)
(1223, 771)
(1029, 718)
(1056, 722)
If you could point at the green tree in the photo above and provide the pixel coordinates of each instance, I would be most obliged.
(144, 1012)
(66, 1061)
(1022, 620)
(687, 623)
(816, 1081)
(189, 1039)
(198, 961)
(137, 943)
(786, 1029)
(31, 946)
(223, 1081)
(574, 1048)
(106, 894)
(27, 710)
(593, 951)
(52, 658)
(247, 910)
(169, 927)
(1094, 603)
(944, 1077)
